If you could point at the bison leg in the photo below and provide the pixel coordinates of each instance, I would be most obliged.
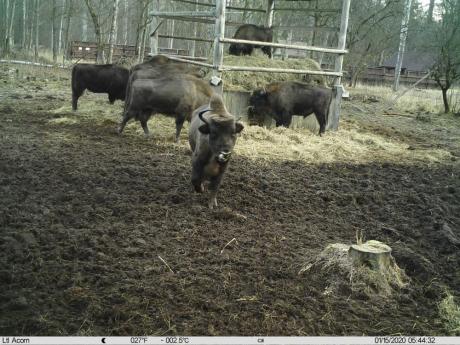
(76, 93)
(126, 117)
(321, 117)
(179, 124)
(287, 118)
(268, 51)
(197, 175)
(112, 98)
(145, 127)
(214, 187)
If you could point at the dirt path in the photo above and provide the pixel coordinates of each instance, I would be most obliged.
(85, 216)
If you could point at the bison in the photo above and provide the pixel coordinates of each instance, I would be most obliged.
(251, 32)
(212, 137)
(109, 79)
(162, 64)
(159, 66)
(176, 95)
(281, 100)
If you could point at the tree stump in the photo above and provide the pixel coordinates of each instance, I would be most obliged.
(373, 254)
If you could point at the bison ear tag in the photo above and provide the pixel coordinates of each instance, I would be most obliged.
(215, 80)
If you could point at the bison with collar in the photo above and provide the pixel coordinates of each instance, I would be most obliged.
(212, 137)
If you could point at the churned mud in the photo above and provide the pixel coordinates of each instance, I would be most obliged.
(103, 234)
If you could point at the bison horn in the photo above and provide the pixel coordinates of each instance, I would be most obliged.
(200, 115)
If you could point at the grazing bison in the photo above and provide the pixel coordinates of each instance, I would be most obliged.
(212, 136)
(109, 79)
(176, 95)
(251, 32)
(281, 100)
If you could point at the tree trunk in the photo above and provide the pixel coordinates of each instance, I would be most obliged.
(445, 100)
(84, 26)
(402, 43)
(4, 37)
(193, 48)
(37, 16)
(67, 29)
(54, 46)
(141, 48)
(24, 25)
(30, 38)
(141, 27)
(154, 26)
(126, 18)
(113, 32)
(61, 26)
(9, 33)
(430, 12)
(97, 31)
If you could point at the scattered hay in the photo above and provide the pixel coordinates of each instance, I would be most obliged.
(340, 273)
(350, 144)
(249, 81)
(449, 312)
(63, 121)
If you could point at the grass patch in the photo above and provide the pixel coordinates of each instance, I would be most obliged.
(449, 312)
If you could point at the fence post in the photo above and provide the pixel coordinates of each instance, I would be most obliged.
(334, 109)
(218, 57)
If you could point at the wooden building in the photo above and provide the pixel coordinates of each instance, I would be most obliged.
(415, 66)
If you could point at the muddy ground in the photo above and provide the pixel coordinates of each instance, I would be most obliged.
(85, 216)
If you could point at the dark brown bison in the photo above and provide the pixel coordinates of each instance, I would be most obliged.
(160, 66)
(109, 79)
(212, 137)
(175, 95)
(251, 32)
(163, 65)
(281, 100)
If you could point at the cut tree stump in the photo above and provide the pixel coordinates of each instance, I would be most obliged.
(373, 254)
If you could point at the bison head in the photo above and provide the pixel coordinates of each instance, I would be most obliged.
(221, 128)
(259, 103)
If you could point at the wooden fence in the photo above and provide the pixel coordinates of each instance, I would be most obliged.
(385, 75)
(87, 51)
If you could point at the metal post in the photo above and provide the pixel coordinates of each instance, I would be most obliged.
(269, 13)
(334, 109)
(218, 57)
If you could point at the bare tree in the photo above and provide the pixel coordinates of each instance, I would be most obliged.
(97, 31)
(24, 24)
(61, 26)
(8, 38)
(446, 70)
(402, 42)
(141, 30)
(37, 17)
(113, 32)
(126, 23)
(54, 45)
(430, 11)
(67, 26)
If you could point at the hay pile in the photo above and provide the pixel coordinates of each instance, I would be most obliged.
(249, 81)
(339, 274)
